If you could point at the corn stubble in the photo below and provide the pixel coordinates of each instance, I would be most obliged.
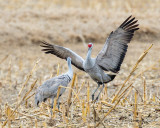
(76, 108)
(134, 103)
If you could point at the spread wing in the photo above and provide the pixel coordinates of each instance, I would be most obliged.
(63, 53)
(112, 55)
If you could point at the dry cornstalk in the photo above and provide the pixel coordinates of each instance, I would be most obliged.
(128, 93)
(30, 96)
(26, 103)
(20, 65)
(140, 122)
(134, 79)
(133, 69)
(58, 92)
(4, 59)
(94, 114)
(23, 114)
(58, 69)
(88, 97)
(144, 90)
(79, 91)
(8, 112)
(11, 114)
(111, 105)
(83, 112)
(106, 94)
(19, 104)
(87, 109)
(54, 108)
(65, 120)
(154, 98)
(88, 92)
(107, 104)
(45, 114)
(109, 111)
(44, 124)
(125, 90)
(76, 83)
(36, 126)
(76, 95)
(135, 106)
(55, 101)
(31, 88)
(28, 77)
(70, 95)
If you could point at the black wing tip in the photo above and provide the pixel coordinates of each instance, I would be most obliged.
(130, 24)
(46, 47)
(44, 43)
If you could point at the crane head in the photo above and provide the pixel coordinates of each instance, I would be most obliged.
(39, 97)
(90, 45)
(68, 59)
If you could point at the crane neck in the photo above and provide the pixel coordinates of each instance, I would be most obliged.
(89, 62)
(89, 54)
(70, 70)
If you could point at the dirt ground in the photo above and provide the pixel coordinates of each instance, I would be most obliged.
(23, 25)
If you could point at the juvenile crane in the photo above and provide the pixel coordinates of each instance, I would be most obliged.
(109, 58)
(50, 87)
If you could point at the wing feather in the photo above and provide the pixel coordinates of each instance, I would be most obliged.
(63, 53)
(112, 55)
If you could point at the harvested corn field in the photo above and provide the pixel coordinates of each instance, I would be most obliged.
(24, 67)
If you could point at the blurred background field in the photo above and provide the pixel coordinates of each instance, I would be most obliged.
(73, 24)
(75, 21)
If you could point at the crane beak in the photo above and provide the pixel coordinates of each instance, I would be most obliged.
(37, 103)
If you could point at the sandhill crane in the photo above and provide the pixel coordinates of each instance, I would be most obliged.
(49, 88)
(109, 58)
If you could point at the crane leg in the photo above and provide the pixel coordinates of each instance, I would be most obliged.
(52, 105)
(52, 102)
(95, 91)
(58, 101)
(100, 92)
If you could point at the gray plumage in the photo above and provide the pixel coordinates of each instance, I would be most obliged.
(50, 87)
(109, 58)
(112, 55)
